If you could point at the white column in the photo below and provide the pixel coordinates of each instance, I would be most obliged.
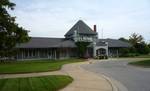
(94, 49)
(117, 53)
(107, 51)
(94, 52)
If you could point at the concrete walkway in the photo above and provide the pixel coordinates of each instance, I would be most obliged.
(83, 79)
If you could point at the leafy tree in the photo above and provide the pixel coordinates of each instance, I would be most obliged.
(148, 45)
(142, 48)
(138, 43)
(135, 38)
(82, 48)
(124, 39)
(10, 33)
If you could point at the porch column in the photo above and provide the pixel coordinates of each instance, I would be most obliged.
(117, 53)
(107, 51)
(94, 49)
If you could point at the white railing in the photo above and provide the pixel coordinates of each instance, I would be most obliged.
(84, 39)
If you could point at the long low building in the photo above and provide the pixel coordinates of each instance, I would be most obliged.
(60, 48)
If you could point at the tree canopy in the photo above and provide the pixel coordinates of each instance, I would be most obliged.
(11, 33)
(138, 44)
(135, 38)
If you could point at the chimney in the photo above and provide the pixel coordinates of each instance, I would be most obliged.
(94, 28)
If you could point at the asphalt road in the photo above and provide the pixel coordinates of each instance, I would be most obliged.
(133, 78)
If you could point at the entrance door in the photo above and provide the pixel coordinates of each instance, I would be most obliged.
(101, 52)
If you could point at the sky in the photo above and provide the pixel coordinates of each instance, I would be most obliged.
(53, 18)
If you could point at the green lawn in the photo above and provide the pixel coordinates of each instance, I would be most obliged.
(46, 83)
(143, 56)
(34, 66)
(144, 63)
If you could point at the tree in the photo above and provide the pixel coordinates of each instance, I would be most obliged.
(149, 45)
(142, 48)
(124, 39)
(135, 38)
(138, 43)
(10, 32)
(82, 48)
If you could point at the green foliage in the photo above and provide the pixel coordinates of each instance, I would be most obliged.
(124, 51)
(124, 39)
(82, 47)
(144, 63)
(142, 48)
(44, 83)
(148, 46)
(10, 32)
(138, 46)
(135, 38)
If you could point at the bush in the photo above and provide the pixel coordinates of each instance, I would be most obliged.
(130, 55)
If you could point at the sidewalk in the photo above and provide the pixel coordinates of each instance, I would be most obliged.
(83, 79)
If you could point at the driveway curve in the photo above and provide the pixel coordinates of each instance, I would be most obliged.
(133, 78)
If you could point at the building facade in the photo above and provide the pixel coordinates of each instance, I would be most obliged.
(61, 48)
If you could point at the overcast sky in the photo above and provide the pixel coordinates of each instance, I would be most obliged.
(53, 18)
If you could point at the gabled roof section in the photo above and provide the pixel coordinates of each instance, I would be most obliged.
(81, 28)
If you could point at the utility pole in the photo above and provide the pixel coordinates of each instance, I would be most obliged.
(102, 33)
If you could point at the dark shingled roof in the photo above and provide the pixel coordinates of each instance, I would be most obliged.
(67, 43)
(39, 42)
(81, 28)
(115, 43)
(100, 43)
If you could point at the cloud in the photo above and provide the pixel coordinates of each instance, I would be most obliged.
(53, 18)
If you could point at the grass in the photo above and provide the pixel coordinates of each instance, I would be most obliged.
(34, 66)
(144, 63)
(143, 56)
(46, 83)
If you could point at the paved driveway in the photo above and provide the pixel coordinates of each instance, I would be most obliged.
(133, 78)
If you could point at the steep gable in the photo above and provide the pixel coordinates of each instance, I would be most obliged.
(81, 28)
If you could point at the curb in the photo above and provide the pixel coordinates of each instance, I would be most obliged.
(116, 86)
(113, 86)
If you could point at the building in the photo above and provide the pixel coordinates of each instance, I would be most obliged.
(60, 48)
